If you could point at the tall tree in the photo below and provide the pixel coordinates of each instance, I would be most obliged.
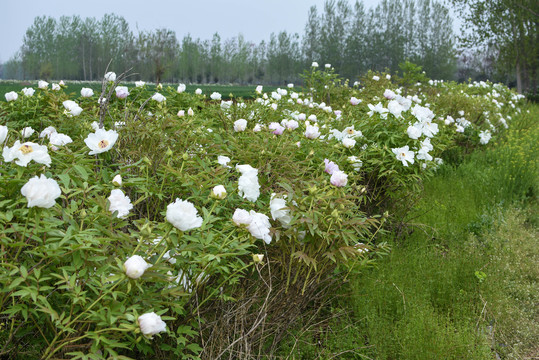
(159, 50)
(513, 25)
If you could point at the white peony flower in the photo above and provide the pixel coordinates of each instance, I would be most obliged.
(151, 324)
(279, 211)
(379, 108)
(390, 95)
(338, 178)
(27, 132)
(241, 217)
(158, 97)
(190, 112)
(26, 152)
(423, 154)
(240, 125)
(73, 109)
(86, 92)
(198, 91)
(223, 160)
(11, 96)
(314, 64)
(122, 92)
(135, 266)
(181, 88)
(181, 113)
(119, 202)
(110, 76)
(59, 139)
(55, 87)
(423, 114)
(484, 137)
(259, 226)
(42, 84)
(248, 186)
(348, 142)
(101, 141)
(376, 78)
(41, 192)
(292, 125)
(312, 132)
(426, 144)
(259, 89)
(3, 133)
(404, 154)
(356, 162)
(225, 105)
(414, 132)
(28, 92)
(395, 108)
(354, 101)
(183, 215)
(215, 96)
(429, 129)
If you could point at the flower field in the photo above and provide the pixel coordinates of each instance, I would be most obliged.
(140, 220)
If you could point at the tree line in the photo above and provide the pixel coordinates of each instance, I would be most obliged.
(350, 37)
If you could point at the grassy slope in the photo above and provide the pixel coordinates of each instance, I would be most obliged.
(463, 283)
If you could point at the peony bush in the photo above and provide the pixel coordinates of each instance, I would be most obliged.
(135, 223)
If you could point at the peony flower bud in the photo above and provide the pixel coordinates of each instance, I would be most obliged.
(117, 180)
(258, 258)
(135, 266)
(218, 192)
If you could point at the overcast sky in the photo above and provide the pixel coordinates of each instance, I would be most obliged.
(255, 19)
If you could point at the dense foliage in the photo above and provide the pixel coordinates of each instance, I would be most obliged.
(177, 256)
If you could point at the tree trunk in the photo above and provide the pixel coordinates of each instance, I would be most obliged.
(519, 79)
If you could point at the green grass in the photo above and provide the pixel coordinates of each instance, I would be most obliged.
(462, 283)
(74, 87)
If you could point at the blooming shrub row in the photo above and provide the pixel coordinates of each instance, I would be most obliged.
(130, 214)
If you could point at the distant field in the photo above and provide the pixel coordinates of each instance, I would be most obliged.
(227, 91)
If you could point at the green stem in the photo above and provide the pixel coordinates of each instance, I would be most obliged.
(306, 280)
(220, 285)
